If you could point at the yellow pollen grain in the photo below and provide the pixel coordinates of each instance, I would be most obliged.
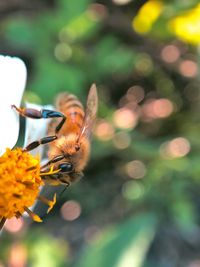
(19, 182)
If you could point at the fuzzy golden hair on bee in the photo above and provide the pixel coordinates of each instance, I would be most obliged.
(69, 136)
(74, 138)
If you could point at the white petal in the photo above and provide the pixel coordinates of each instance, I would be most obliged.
(36, 128)
(12, 83)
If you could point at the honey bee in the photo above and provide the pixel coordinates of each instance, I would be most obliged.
(69, 139)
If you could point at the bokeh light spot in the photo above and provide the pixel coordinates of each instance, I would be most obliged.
(157, 108)
(70, 210)
(135, 93)
(122, 140)
(144, 64)
(14, 225)
(176, 148)
(121, 2)
(17, 255)
(188, 68)
(125, 118)
(63, 52)
(135, 169)
(132, 190)
(104, 130)
(162, 108)
(170, 53)
(166, 85)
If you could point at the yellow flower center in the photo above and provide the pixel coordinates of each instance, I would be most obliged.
(19, 182)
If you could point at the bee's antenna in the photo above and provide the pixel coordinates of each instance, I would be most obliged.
(63, 190)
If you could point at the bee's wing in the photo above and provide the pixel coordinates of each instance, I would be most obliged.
(90, 114)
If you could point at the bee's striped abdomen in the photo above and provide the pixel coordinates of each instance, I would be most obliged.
(72, 108)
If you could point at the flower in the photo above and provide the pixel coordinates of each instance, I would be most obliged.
(20, 175)
(19, 183)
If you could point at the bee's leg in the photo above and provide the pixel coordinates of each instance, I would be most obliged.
(42, 141)
(53, 160)
(41, 114)
(2, 222)
(66, 185)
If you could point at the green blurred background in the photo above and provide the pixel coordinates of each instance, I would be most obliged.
(139, 202)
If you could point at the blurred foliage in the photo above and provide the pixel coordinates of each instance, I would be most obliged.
(139, 199)
(125, 245)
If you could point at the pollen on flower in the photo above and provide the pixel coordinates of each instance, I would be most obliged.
(19, 182)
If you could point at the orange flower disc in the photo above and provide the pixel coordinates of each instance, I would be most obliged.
(19, 182)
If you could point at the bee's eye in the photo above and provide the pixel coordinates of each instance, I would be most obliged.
(65, 167)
